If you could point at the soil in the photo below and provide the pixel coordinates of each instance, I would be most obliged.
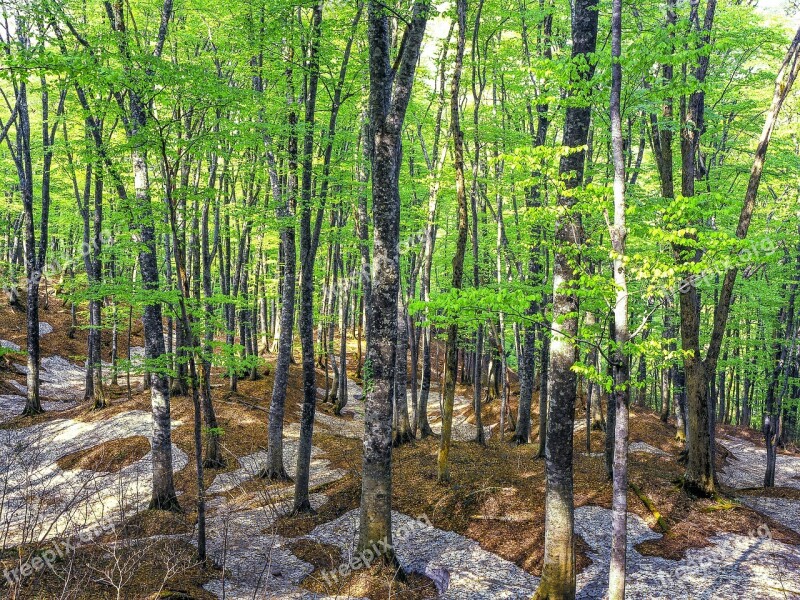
(108, 457)
(495, 497)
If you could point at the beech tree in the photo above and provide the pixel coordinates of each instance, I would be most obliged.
(163, 494)
(389, 95)
(280, 202)
(621, 360)
(558, 572)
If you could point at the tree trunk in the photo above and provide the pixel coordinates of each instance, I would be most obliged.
(558, 571)
(402, 428)
(307, 255)
(285, 200)
(451, 352)
(163, 493)
(388, 101)
(621, 358)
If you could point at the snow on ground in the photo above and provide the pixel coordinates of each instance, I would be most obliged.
(260, 565)
(463, 430)
(785, 511)
(354, 428)
(647, 448)
(250, 465)
(458, 565)
(43, 501)
(733, 566)
(59, 379)
(746, 470)
(12, 406)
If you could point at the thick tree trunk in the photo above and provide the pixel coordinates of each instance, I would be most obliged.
(388, 101)
(558, 571)
(700, 465)
(163, 496)
(163, 493)
(699, 476)
(275, 468)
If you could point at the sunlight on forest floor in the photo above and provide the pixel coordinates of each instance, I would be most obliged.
(247, 526)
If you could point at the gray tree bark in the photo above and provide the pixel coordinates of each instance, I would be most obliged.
(390, 92)
(558, 572)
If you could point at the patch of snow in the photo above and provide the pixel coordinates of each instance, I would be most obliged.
(12, 406)
(733, 566)
(645, 447)
(250, 465)
(59, 379)
(43, 501)
(9, 345)
(463, 431)
(749, 463)
(260, 566)
(784, 510)
(458, 565)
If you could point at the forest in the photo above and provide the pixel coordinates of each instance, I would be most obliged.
(475, 299)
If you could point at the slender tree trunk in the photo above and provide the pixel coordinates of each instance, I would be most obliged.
(344, 304)
(307, 255)
(543, 394)
(213, 453)
(536, 275)
(451, 352)
(435, 162)
(285, 199)
(621, 365)
(402, 428)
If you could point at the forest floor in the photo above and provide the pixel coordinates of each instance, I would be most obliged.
(71, 469)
